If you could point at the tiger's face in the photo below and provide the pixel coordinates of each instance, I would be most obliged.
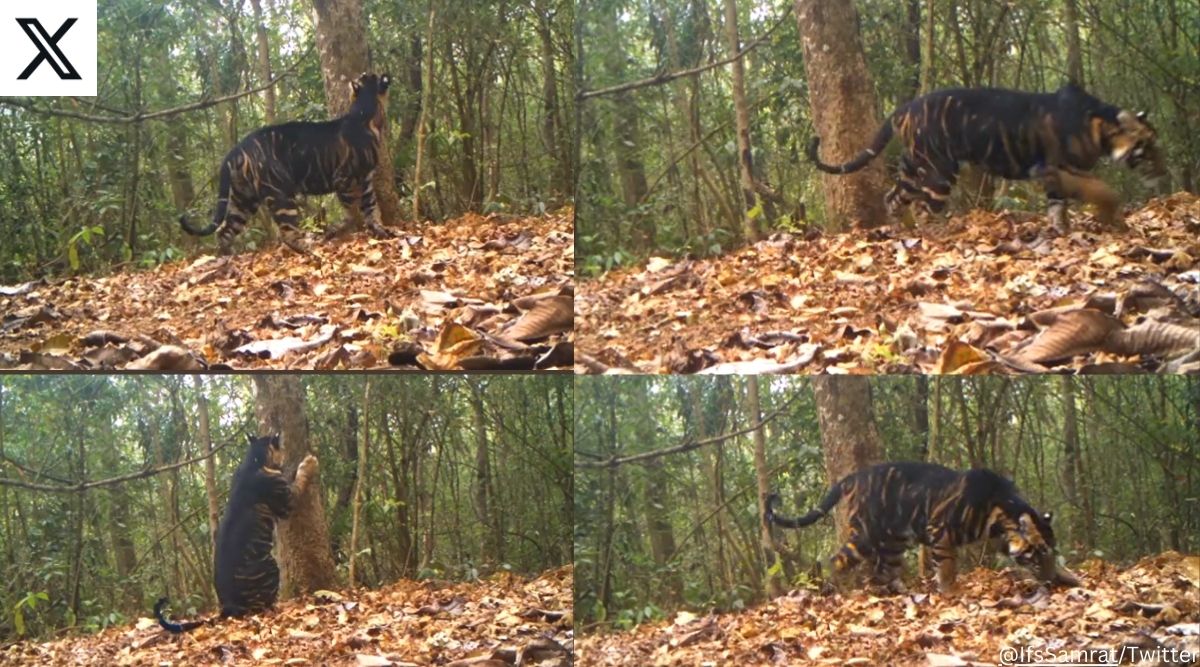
(1132, 141)
(1030, 542)
(266, 451)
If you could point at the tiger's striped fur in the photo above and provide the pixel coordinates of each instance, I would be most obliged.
(894, 505)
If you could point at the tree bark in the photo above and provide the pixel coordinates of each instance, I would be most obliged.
(360, 479)
(849, 437)
(305, 559)
(1074, 52)
(843, 106)
(489, 544)
(264, 61)
(210, 468)
(751, 211)
(340, 26)
(423, 120)
(773, 582)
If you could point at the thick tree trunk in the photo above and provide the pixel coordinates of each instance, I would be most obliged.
(751, 212)
(843, 107)
(490, 542)
(305, 560)
(340, 27)
(658, 521)
(849, 437)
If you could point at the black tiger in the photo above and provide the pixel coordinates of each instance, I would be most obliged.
(1052, 137)
(278, 163)
(246, 575)
(893, 505)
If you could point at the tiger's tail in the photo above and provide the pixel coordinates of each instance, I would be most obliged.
(219, 214)
(882, 137)
(170, 626)
(824, 508)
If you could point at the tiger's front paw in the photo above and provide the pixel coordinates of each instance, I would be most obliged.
(306, 472)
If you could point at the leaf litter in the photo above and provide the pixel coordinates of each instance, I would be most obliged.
(503, 282)
(1152, 605)
(985, 292)
(503, 620)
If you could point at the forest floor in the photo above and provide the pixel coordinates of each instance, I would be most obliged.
(985, 292)
(505, 620)
(473, 293)
(1154, 604)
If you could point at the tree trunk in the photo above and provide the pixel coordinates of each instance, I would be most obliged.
(305, 560)
(1074, 52)
(912, 46)
(843, 106)
(340, 26)
(489, 544)
(422, 122)
(1071, 458)
(210, 468)
(927, 65)
(774, 585)
(849, 437)
(658, 520)
(264, 61)
(751, 211)
(360, 478)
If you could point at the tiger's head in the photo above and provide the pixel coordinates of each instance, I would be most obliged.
(1130, 139)
(1027, 536)
(368, 96)
(265, 451)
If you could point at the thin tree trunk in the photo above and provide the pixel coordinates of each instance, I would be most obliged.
(1074, 52)
(361, 477)
(210, 467)
(264, 61)
(751, 212)
(422, 123)
(773, 580)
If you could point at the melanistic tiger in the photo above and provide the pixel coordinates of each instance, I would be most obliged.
(893, 505)
(276, 164)
(246, 574)
(1051, 137)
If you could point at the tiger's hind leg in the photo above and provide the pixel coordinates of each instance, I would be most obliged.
(239, 210)
(944, 555)
(889, 564)
(842, 564)
(286, 215)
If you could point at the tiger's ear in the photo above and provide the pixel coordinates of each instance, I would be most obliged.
(1048, 516)
(1142, 115)
(1026, 523)
(249, 438)
(355, 86)
(384, 81)
(275, 439)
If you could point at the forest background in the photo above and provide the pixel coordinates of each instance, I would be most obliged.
(669, 473)
(687, 149)
(481, 114)
(108, 489)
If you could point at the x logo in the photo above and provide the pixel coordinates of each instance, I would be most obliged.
(48, 48)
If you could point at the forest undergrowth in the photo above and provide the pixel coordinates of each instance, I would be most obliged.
(472, 293)
(984, 292)
(1153, 606)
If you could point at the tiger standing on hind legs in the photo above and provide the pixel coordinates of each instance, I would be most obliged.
(274, 165)
(245, 573)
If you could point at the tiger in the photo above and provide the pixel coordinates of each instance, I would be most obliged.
(245, 573)
(275, 164)
(893, 505)
(1054, 138)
